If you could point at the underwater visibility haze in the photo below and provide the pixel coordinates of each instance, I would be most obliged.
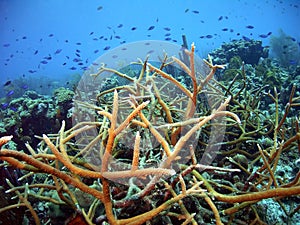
(187, 108)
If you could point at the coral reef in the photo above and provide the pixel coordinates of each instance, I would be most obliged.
(285, 50)
(35, 114)
(168, 175)
(248, 51)
(265, 73)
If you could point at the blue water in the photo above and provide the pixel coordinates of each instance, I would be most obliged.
(40, 39)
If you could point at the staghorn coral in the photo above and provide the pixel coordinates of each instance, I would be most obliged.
(192, 193)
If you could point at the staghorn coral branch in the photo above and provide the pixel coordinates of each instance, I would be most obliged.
(26, 202)
(193, 102)
(183, 66)
(214, 209)
(156, 134)
(44, 167)
(162, 103)
(130, 117)
(253, 196)
(4, 140)
(67, 162)
(173, 80)
(111, 134)
(136, 152)
(142, 218)
(17, 205)
(140, 173)
(105, 69)
(181, 142)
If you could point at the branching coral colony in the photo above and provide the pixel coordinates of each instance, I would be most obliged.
(171, 192)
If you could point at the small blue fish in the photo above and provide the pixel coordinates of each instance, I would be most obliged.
(24, 86)
(72, 68)
(7, 83)
(13, 108)
(151, 27)
(293, 62)
(4, 105)
(250, 27)
(10, 93)
(263, 35)
(44, 62)
(195, 11)
(76, 60)
(293, 39)
(58, 51)
(106, 48)
(246, 38)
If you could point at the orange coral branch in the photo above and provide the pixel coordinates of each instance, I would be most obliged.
(136, 152)
(4, 140)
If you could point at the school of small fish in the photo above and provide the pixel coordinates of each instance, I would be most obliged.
(74, 61)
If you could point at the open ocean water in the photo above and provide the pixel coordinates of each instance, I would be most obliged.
(47, 43)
